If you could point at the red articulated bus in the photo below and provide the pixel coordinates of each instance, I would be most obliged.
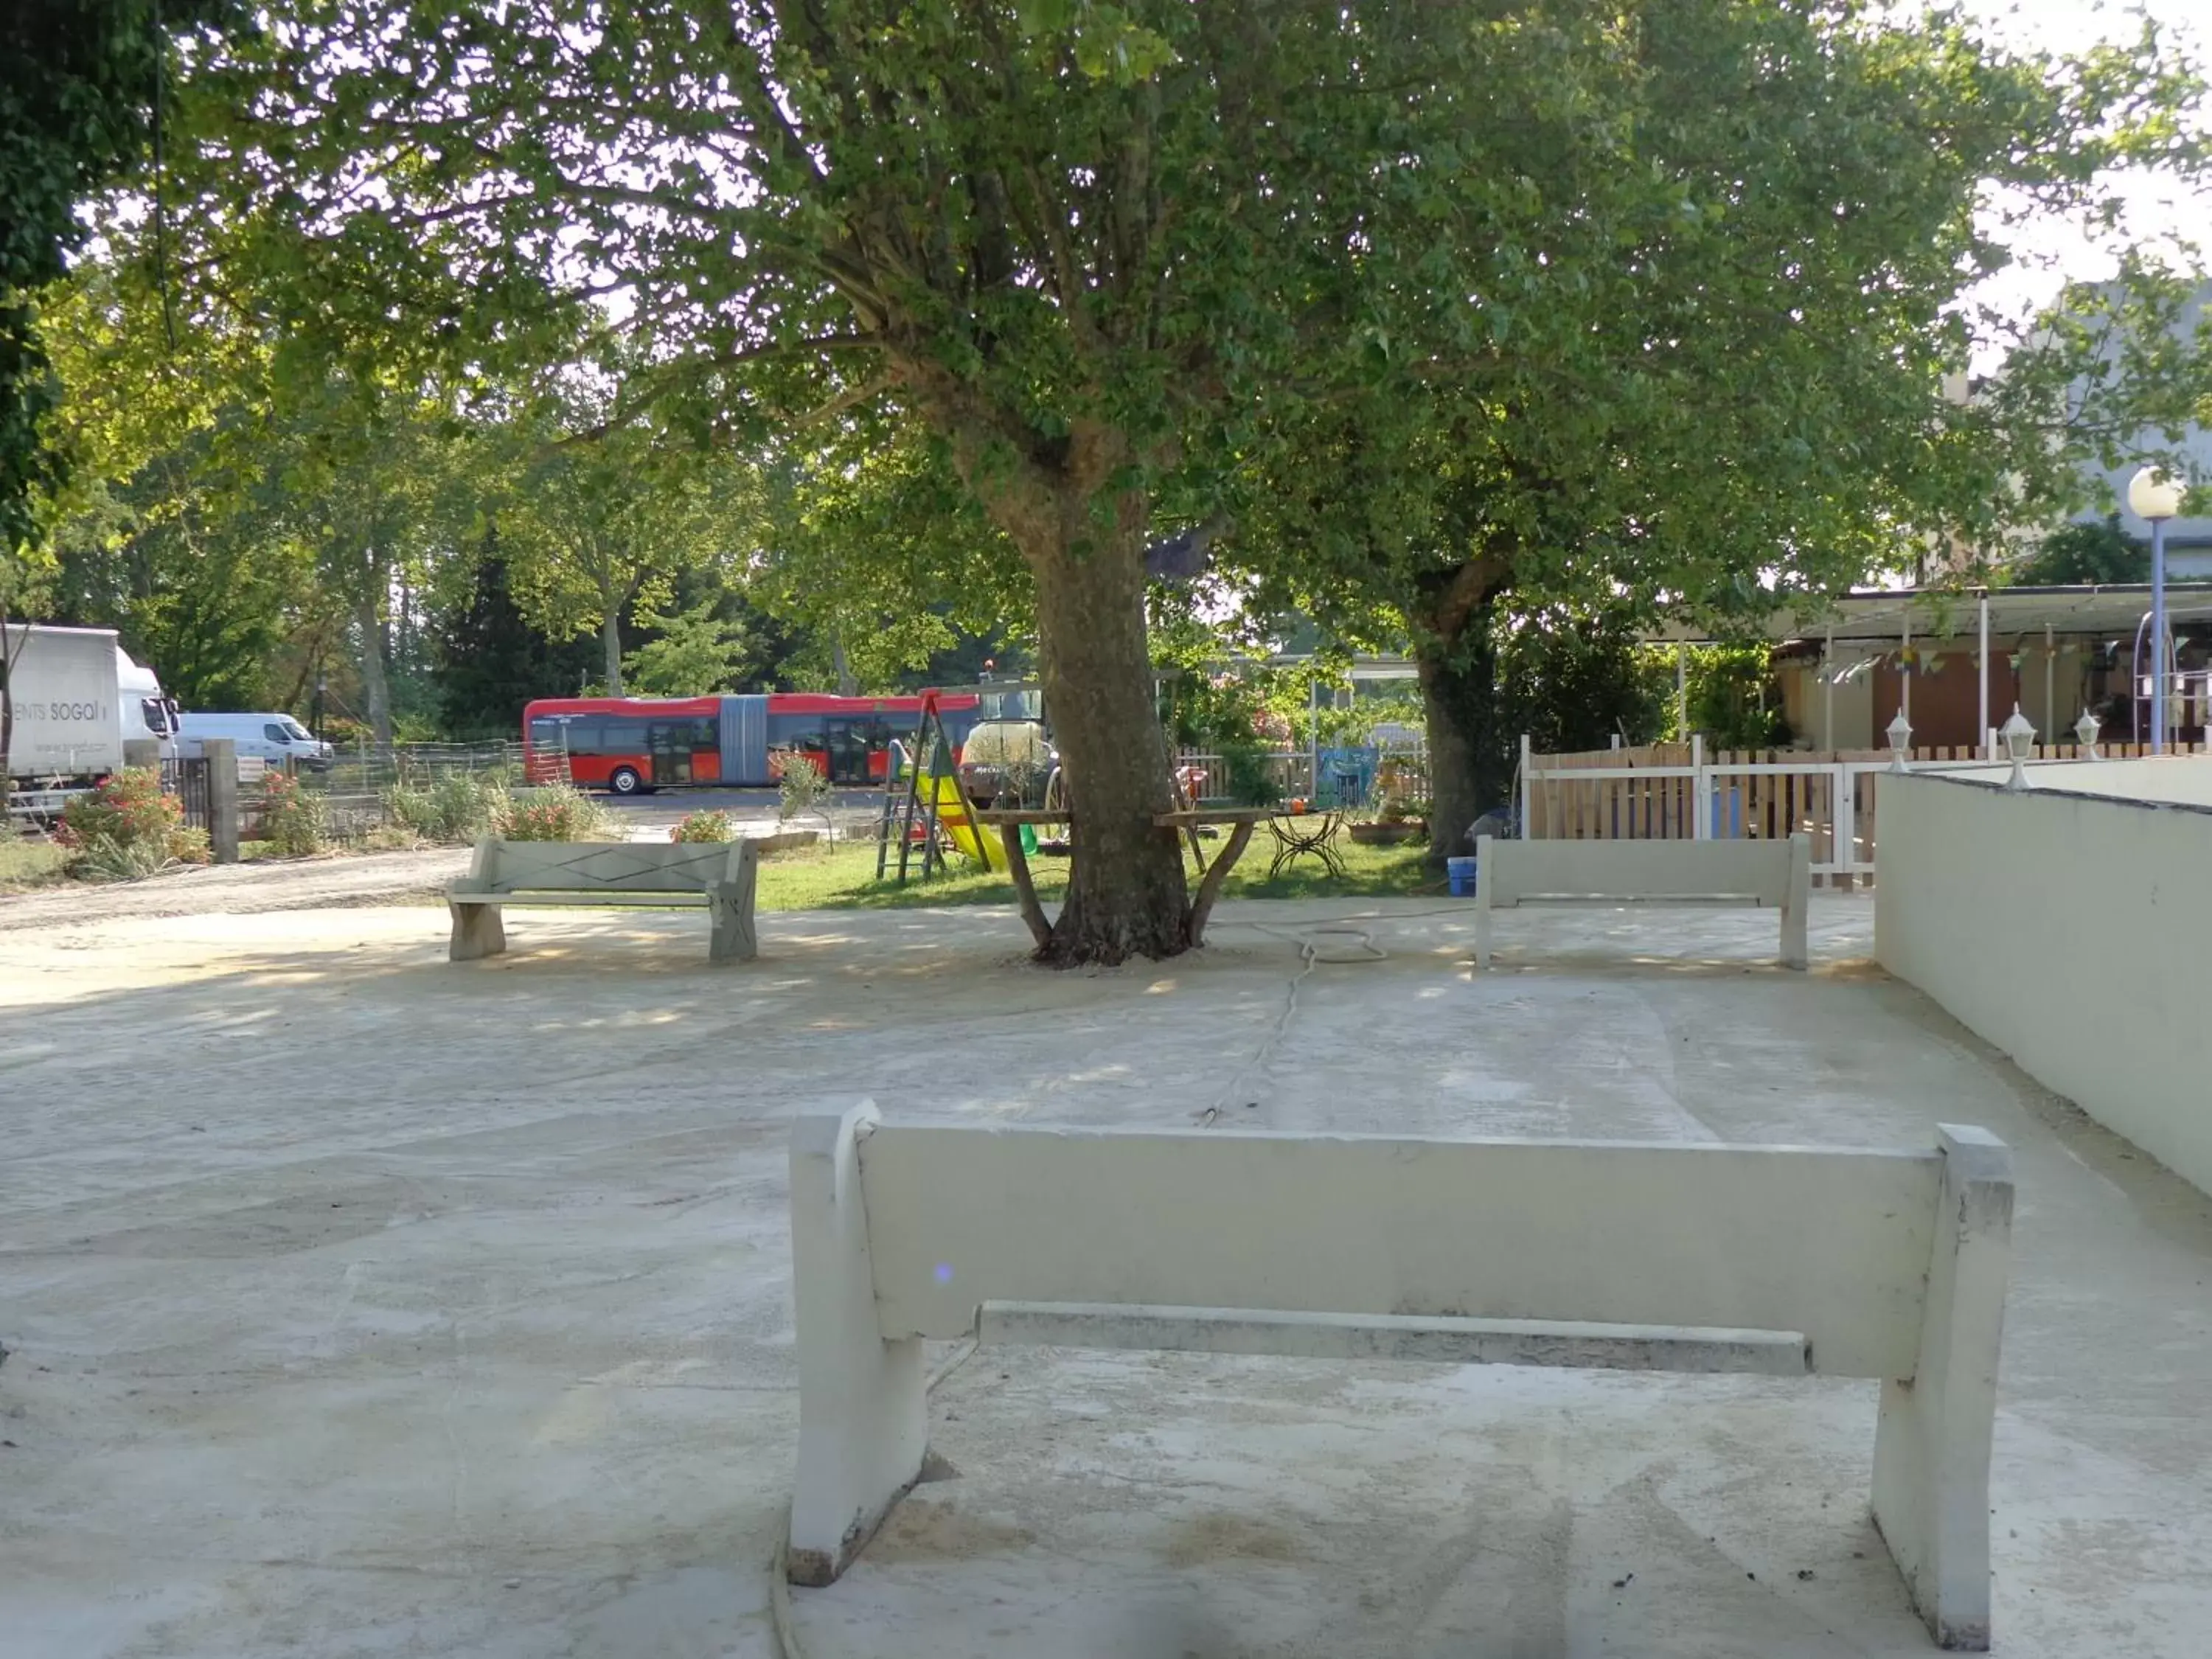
(633, 744)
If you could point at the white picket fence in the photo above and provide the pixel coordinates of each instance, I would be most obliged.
(1669, 792)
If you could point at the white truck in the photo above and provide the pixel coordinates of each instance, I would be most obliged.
(76, 698)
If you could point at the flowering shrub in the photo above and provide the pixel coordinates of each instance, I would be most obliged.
(706, 826)
(292, 818)
(557, 812)
(125, 826)
(127, 809)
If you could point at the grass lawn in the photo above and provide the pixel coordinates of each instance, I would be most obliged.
(25, 863)
(844, 878)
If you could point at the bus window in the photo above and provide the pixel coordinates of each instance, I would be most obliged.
(795, 731)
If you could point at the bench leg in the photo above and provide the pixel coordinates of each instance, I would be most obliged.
(863, 1416)
(1797, 902)
(478, 932)
(1484, 856)
(733, 939)
(1931, 1450)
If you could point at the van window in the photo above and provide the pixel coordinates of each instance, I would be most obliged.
(295, 732)
(273, 731)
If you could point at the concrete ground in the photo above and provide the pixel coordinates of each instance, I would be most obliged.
(358, 1303)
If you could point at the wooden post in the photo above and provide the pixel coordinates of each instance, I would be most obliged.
(222, 798)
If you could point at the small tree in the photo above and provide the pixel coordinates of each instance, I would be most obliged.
(801, 788)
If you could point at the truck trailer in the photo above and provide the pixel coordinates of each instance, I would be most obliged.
(76, 698)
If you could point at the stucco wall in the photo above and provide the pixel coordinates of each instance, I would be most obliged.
(2186, 779)
(2069, 931)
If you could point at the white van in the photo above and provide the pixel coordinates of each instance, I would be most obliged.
(273, 738)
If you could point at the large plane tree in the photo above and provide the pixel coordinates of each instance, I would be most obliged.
(1097, 255)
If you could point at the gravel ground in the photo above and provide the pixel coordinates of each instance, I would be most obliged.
(242, 889)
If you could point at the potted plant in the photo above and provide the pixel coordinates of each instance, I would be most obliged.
(1398, 818)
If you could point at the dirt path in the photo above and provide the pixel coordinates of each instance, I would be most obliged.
(242, 889)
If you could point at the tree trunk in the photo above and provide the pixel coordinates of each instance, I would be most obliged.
(1470, 760)
(1127, 895)
(375, 689)
(610, 637)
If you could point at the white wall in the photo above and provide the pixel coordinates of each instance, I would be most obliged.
(2186, 779)
(2075, 934)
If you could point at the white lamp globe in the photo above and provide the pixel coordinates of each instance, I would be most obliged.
(2151, 495)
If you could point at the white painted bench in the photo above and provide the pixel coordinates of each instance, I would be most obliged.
(1773, 873)
(1783, 1261)
(717, 876)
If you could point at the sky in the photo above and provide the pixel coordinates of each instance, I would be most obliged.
(2155, 201)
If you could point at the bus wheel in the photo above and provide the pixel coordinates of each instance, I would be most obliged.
(624, 780)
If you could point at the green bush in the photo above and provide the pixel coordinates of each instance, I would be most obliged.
(1252, 781)
(706, 826)
(556, 812)
(128, 808)
(125, 827)
(453, 808)
(292, 818)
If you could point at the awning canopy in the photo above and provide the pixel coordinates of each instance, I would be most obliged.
(1882, 614)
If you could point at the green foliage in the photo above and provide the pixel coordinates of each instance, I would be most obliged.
(801, 787)
(1733, 698)
(491, 662)
(706, 826)
(1575, 679)
(78, 85)
(128, 808)
(698, 652)
(293, 819)
(2094, 554)
(125, 826)
(1252, 780)
(556, 812)
(27, 863)
(452, 807)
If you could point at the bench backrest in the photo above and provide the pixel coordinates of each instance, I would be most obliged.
(1833, 1243)
(619, 866)
(1751, 871)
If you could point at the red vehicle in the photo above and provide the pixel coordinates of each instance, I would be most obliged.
(632, 745)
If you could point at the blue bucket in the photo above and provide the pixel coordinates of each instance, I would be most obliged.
(1462, 873)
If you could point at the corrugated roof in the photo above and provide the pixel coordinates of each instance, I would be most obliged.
(1940, 613)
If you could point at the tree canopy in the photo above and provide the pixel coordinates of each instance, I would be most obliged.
(1652, 304)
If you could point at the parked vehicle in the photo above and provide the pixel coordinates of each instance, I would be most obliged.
(630, 745)
(272, 738)
(76, 696)
(1006, 764)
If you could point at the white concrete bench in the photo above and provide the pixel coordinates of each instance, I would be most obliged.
(1774, 873)
(717, 876)
(1783, 1261)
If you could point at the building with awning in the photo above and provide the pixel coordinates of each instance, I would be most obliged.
(1956, 661)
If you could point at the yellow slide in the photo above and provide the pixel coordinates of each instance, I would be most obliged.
(975, 842)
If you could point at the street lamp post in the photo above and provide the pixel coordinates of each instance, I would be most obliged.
(2153, 496)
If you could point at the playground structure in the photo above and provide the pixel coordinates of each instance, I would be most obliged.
(924, 807)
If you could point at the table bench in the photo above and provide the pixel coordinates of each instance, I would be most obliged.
(718, 877)
(1780, 1260)
(1185, 820)
(1773, 873)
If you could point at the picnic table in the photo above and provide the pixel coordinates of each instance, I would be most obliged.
(1241, 820)
(1300, 834)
